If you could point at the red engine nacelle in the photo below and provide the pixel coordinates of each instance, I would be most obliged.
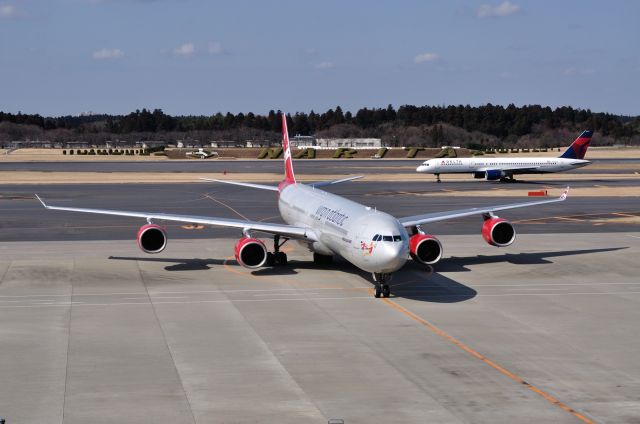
(425, 248)
(152, 238)
(498, 232)
(250, 252)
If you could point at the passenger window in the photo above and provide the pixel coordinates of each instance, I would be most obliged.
(387, 238)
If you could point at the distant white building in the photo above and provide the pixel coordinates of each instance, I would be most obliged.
(357, 143)
(303, 141)
(219, 144)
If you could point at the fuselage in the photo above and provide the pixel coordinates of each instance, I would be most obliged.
(346, 228)
(469, 165)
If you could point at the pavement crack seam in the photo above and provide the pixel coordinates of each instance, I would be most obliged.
(268, 349)
(166, 343)
(489, 362)
(366, 342)
(66, 370)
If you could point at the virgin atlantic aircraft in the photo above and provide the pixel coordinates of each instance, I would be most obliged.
(329, 225)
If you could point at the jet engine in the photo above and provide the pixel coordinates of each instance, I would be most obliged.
(250, 252)
(152, 238)
(425, 248)
(498, 232)
(491, 174)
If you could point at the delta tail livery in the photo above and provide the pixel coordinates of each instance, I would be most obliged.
(329, 225)
(504, 169)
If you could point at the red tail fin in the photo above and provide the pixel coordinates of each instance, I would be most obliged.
(289, 178)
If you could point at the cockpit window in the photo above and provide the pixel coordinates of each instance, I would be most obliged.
(376, 237)
(387, 238)
(397, 238)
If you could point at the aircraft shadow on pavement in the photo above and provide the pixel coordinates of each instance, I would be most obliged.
(414, 281)
(178, 264)
(460, 264)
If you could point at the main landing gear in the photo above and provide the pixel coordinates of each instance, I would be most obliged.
(507, 179)
(438, 178)
(277, 257)
(382, 287)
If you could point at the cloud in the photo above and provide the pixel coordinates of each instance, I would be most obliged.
(215, 47)
(578, 71)
(426, 57)
(187, 49)
(325, 65)
(505, 8)
(105, 54)
(7, 11)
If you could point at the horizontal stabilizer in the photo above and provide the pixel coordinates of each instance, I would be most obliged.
(341, 180)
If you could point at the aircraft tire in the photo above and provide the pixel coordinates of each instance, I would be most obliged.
(386, 290)
(378, 292)
(271, 259)
(281, 258)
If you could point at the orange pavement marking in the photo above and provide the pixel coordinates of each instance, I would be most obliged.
(226, 206)
(487, 361)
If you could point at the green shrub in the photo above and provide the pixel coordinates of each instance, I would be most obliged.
(345, 152)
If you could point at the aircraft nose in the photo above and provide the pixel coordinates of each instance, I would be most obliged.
(392, 256)
(422, 168)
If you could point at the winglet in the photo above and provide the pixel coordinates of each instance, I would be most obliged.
(565, 193)
(41, 201)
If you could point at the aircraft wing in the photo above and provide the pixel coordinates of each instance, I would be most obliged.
(509, 168)
(264, 227)
(442, 216)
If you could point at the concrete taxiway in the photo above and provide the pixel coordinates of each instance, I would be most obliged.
(543, 331)
(93, 330)
(24, 218)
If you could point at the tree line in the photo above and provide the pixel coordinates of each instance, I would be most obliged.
(493, 122)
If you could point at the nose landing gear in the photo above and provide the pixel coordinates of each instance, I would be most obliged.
(381, 284)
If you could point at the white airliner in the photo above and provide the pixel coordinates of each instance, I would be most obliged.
(202, 154)
(329, 225)
(505, 168)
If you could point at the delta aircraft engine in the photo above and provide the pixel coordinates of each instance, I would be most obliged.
(490, 174)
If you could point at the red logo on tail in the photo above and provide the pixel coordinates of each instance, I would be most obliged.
(289, 177)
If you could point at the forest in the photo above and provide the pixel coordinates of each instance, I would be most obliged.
(486, 126)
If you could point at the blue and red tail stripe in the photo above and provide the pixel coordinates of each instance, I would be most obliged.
(578, 148)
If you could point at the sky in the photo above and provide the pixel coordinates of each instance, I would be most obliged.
(60, 57)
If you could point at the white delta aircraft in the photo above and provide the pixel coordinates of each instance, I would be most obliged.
(504, 169)
(329, 225)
